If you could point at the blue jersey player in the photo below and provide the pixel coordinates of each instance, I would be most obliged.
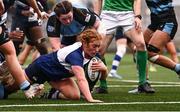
(58, 67)
(162, 30)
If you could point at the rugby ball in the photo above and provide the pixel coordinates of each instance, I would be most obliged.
(91, 76)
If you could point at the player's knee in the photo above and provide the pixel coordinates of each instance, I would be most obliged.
(140, 46)
(152, 53)
(77, 97)
(152, 48)
(74, 96)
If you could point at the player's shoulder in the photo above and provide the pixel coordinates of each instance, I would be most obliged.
(52, 15)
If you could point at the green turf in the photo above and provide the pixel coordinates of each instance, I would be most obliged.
(116, 95)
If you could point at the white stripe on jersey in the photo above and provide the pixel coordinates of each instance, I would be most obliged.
(3, 18)
(62, 53)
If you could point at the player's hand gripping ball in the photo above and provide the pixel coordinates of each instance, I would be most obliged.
(91, 76)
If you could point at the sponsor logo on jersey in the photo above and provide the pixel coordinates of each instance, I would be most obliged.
(50, 28)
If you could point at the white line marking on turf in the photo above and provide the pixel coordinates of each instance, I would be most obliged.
(111, 86)
(87, 104)
(135, 81)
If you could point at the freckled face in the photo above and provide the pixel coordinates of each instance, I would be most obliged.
(92, 48)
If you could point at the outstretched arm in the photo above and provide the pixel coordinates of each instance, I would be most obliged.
(83, 84)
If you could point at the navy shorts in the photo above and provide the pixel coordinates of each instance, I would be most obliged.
(47, 68)
(119, 33)
(35, 74)
(168, 25)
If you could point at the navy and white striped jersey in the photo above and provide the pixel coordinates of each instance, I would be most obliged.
(57, 65)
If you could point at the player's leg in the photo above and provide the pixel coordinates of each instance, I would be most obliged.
(104, 46)
(172, 51)
(8, 50)
(106, 42)
(20, 24)
(160, 38)
(7, 80)
(141, 59)
(110, 27)
(156, 44)
(163, 33)
(24, 54)
(36, 36)
(147, 36)
(18, 44)
(15, 68)
(103, 83)
(67, 88)
(35, 54)
(121, 43)
(11, 84)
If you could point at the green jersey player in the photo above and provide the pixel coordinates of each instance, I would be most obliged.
(126, 14)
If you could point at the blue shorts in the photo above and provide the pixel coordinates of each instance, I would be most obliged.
(119, 33)
(168, 25)
(46, 68)
(35, 74)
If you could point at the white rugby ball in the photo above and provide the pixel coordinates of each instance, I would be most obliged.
(91, 74)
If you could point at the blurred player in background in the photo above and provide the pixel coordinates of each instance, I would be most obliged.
(26, 20)
(7, 48)
(126, 14)
(160, 32)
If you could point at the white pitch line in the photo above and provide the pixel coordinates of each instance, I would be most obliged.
(87, 104)
(135, 81)
(120, 86)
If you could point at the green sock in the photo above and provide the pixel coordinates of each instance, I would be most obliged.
(103, 83)
(141, 66)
